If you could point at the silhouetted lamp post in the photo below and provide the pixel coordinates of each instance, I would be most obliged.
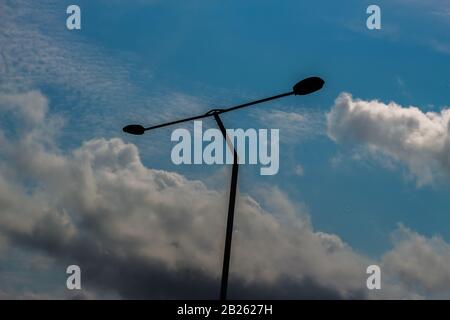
(304, 87)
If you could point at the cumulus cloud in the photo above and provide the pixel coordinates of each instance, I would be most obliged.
(138, 232)
(418, 139)
(142, 232)
(420, 263)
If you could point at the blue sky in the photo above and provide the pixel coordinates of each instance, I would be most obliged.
(253, 49)
(153, 60)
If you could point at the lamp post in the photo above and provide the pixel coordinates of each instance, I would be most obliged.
(304, 87)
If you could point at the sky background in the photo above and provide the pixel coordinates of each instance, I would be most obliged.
(364, 165)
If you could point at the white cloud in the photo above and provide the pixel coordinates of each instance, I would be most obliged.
(420, 263)
(99, 205)
(140, 232)
(418, 139)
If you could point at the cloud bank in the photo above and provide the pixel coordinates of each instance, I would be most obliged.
(145, 233)
(137, 232)
(406, 134)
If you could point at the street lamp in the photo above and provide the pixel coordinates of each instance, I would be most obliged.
(304, 87)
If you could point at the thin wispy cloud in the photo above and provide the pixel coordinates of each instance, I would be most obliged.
(295, 126)
(94, 83)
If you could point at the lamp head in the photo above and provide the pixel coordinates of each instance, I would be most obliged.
(135, 129)
(308, 85)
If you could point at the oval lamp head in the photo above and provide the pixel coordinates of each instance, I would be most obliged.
(308, 85)
(135, 129)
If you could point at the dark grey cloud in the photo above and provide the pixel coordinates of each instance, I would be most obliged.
(143, 233)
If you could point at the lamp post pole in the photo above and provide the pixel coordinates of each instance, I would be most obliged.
(304, 87)
(231, 207)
